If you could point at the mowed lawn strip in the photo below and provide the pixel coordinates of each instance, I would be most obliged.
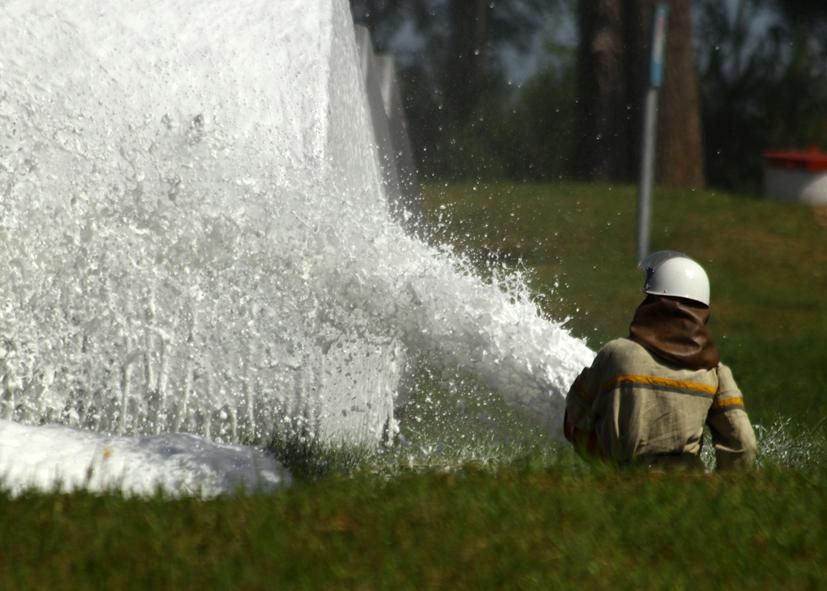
(514, 528)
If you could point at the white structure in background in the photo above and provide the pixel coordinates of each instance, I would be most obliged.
(796, 175)
(390, 130)
(53, 457)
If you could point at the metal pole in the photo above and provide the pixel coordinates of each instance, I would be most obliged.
(647, 174)
(650, 128)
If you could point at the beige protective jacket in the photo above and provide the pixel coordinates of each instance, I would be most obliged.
(633, 406)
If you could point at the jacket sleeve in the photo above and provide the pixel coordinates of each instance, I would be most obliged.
(732, 433)
(579, 420)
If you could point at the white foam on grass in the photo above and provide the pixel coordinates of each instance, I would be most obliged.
(58, 458)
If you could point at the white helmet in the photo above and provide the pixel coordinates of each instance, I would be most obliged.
(673, 273)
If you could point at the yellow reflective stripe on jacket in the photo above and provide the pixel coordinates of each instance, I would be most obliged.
(666, 383)
(728, 403)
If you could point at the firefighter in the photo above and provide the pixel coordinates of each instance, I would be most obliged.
(646, 398)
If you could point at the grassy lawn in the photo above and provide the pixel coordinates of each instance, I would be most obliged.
(520, 527)
(767, 263)
(539, 518)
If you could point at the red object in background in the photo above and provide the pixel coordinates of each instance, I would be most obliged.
(811, 160)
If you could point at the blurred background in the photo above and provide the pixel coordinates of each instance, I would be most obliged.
(537, 90)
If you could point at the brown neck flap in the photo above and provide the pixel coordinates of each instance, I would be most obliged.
(675, 329)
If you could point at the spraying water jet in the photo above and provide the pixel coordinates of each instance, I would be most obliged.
(197, 233)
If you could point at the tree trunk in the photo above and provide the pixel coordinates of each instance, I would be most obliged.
(613, 72)
(600, 89)
(680, 152)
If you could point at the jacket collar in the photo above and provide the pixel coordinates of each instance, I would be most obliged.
(675, 329)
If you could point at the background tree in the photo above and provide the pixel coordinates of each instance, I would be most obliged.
(603, 123)
(613, 68)
(680, 143)
(458, 97)
(763, 86)
(761, 66)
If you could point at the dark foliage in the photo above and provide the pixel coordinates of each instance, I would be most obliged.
(762, 67)
(763, 86)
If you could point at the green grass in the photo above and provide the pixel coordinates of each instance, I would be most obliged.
(521, 527)
(767, 263)
(465, 503)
